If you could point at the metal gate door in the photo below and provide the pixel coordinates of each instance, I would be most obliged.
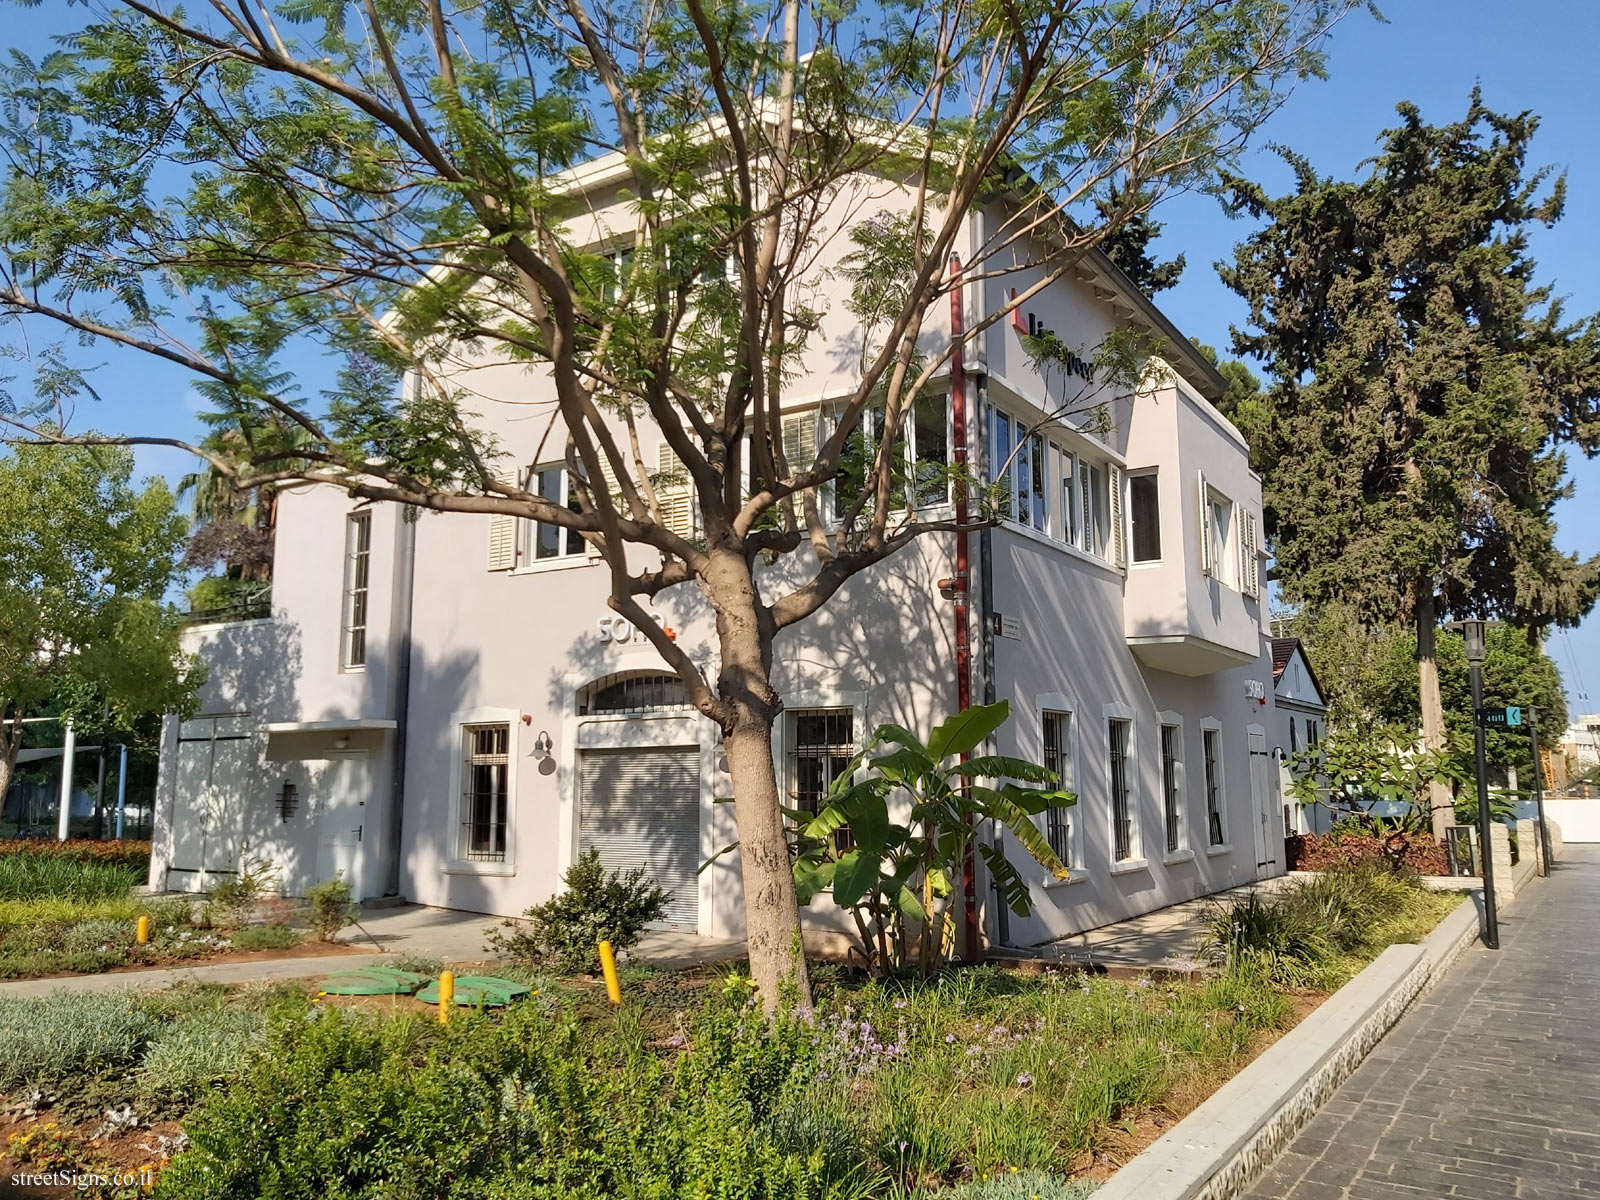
(641, 808)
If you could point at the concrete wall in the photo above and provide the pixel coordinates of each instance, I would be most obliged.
(1579, 819)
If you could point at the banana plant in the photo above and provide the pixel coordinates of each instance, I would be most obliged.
(896, 876)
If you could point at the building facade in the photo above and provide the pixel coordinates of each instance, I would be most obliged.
(443, 706)
(1302, 720)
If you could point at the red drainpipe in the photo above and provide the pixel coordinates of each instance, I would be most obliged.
(958, 422)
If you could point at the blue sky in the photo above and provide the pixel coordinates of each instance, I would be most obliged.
(1525, 56)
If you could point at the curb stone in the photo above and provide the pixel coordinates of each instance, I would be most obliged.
(1221, 1148)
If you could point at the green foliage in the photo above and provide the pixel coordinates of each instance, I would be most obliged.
(233, 901)
(1355, 768)
(56, 1042)
(895, 876)
(1318, 932)
(30, 877)
(564, 932)
(331, 907)
(1127, 215)
(265, 937)
(1022, 1185)
(1424, 385)
(85, 560)
(198, 1050)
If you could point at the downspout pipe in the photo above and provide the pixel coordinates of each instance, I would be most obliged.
(406, 570)
(961, 584)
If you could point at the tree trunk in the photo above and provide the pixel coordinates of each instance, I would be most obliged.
(771, 905)
(10, 743)
(1441, 804)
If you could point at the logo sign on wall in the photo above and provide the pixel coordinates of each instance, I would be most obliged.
(621, 632)
(1254, 689)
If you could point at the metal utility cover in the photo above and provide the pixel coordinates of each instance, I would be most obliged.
(473, 990)
(373, 981)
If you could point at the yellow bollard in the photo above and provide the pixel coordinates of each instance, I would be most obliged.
(142, 933)
(447, 995)
(608, 966)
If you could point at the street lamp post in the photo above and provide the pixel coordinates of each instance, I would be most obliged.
(1472, 635)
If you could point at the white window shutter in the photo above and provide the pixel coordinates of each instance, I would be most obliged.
(800, 440)
(1207, 566)
(675, 492)
(1250, 567)
(1118, 547)
(1087, 495)
(503, 534)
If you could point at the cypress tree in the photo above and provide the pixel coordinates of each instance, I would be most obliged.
(1424, 388)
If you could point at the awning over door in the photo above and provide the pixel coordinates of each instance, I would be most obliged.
(641, 808)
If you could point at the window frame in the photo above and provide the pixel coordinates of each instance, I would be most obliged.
(827, 418)
(355, 602)
(1112, 715)
(1133, 479)
(459, 723)
(1174, 791)
(527, 540)
(842, 838)
(1049, 704)
(1062, 494)
(1211, 735)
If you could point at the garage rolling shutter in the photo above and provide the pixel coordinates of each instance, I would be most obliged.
(641, 808)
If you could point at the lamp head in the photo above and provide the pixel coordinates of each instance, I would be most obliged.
(1472, 635)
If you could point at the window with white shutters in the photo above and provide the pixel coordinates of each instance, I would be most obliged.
(675, 492)
(1118, 542)
(503, 534)
(357, 572)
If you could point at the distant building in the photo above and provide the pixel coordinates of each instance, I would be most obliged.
(1580, 744)
(1302, 719)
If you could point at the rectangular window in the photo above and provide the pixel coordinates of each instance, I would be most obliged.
(1096, 511)
(357, 565)
(1219, 523)
(485, 766)
(821, 744)
(1058, 821)
(1067, 528)
(919, 462)
(1211, 741)
(1172, 786)
(546, 541)
(1145, 502)
(1119, 732)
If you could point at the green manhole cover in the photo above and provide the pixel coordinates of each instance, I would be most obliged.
(372, 981)
(473, 990)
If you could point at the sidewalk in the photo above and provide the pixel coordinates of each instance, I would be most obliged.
(1489, 1087)
(387, 934)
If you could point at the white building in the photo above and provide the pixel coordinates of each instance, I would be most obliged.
(446, 709)
(1302, 719)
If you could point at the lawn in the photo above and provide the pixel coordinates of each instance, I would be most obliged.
(980, 1084)
(71, 908)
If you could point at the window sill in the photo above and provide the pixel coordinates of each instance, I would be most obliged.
(1076, 875)
(1178, 856)
(1129, 865)
(541, 566)
(1213, 851)
(355, 670)
(493, 869)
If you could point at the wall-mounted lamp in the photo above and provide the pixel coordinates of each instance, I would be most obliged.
(542, 745)
(339, 743)
(288, 801)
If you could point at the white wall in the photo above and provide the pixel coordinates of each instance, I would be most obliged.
(1579, 819)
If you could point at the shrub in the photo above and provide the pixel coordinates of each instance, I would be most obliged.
(130, 852)
(62, 1038)
(265, 937)
(1354, 846)
(233, 901)
(331, 908)
(564, 932)
(1023, 1185)
(199, 1049)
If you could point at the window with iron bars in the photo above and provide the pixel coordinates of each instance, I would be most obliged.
(485, 770)
(1172, 786)
(1119, 732)
(1057, 730)
(1211, 743)
(636, 694)
(821, 744)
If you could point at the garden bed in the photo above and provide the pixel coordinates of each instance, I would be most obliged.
(998, 1083)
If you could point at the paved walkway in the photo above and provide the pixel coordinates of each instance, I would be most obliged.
(1490, 1086)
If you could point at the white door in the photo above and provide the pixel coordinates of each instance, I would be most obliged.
(225, 803)
(342, 820)
(1267, 844)
(215, 769)
(641, 808)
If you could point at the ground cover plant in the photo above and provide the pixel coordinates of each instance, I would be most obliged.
(73, 910)
(1349, 845)
(1319, 932)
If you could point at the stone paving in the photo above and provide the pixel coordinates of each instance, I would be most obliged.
(1490, 1086)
